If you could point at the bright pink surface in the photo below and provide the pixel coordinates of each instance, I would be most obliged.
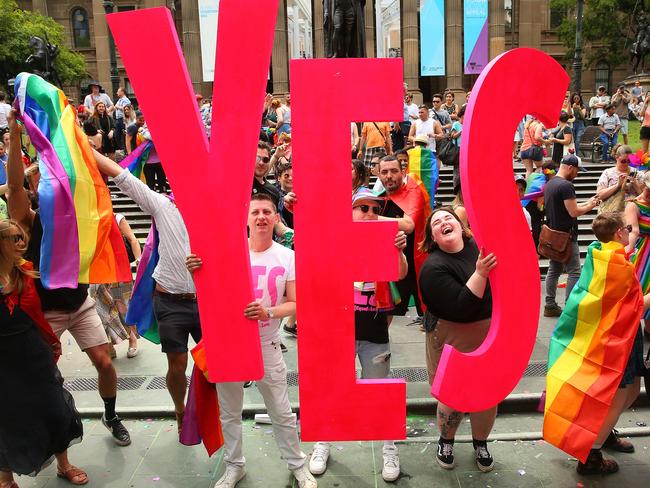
(211, 181)
(332, 252)
(524, 81)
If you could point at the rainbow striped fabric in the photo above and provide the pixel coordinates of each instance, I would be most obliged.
(423, 167)
(140, 312)
(641, 256)
(590, 347)
(135, 161)
(81, 240)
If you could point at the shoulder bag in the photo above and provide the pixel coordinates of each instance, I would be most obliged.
(554, 244)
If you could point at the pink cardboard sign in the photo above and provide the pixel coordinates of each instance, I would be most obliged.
(481, 379)
(332, 252)
(211, 180)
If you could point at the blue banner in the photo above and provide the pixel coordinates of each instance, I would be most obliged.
(475, 18)
(432, 37)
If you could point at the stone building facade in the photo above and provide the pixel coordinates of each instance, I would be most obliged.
(512, 23)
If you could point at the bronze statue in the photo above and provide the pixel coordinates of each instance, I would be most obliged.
(344, 28)
(641, 45)
(42, 59)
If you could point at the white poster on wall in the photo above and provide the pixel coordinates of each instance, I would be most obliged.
(208, 20)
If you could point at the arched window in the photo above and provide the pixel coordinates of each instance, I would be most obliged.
(80, 28)
(601, 77)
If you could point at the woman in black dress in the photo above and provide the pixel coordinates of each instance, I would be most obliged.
(454, 287)
(38, 420)
(106, 127)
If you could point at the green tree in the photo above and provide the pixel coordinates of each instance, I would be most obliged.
(16, 27)
(607, 28)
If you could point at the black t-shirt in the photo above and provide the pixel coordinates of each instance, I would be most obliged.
(268, 189)
(443, 285)
(369, 324)
(392, 210)
(558, 149)
(64, 299)
(556, 192)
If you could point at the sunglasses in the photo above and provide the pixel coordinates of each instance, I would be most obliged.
(15, 237)
(627, 227)
(366, 208)
(262, 159)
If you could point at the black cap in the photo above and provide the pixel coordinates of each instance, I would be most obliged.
(573, 160)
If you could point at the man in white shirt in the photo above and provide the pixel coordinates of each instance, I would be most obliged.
(426, 126)
(610, 125)
(5, 108)
(94, 97)
(274, 281)
(174, 301)
(597, 104)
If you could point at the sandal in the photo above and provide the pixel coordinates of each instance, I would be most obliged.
(72, 474)
(179, 421)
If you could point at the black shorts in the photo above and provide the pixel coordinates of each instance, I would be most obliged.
(177, 320)
(645, 133)
(408, 287)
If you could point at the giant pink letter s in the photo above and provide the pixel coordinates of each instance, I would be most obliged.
(332, 252)
(534, 84)
(212, 183)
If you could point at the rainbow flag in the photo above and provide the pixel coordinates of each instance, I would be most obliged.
(641, 252)
(81, 240)
(140, 311)
(590, 347)
(534, 188)
(135, 161)
(423, 167)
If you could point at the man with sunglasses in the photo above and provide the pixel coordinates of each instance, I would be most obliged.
(618, 184)
(371, 331)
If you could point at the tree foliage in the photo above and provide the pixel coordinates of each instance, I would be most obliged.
(16, 27)
(607, 28)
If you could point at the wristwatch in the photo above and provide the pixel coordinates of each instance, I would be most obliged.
(269, 312)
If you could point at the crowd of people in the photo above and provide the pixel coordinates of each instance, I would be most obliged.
(441, 269)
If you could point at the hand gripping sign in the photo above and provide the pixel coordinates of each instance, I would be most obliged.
(212, 182)
(481, 379)
(332, 251)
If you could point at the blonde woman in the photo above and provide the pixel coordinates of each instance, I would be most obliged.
(38, 420)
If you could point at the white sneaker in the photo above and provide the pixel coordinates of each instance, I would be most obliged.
(304, 477)
(391, 470)
(231, 477)
(318, 460)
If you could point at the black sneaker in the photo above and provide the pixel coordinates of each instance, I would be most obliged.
(552, 310)
(283, 348)
(118, 431)
(445, 454)
(248, 384)
(484, 459)
(291, 330)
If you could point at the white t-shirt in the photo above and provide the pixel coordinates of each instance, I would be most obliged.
(425, 128)
(91, 100)
(271, 270)
(119, 218)
(5, 108)
(413, 111)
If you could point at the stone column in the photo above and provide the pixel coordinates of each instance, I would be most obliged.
(192, 43)
(317, 29)
(411, 45)
(102, 50)
(369, 13)
(497, 20)
(454, 44)
(40, 6)
(280, 58)
(530, 23)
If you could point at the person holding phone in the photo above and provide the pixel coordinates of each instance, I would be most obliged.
(618, 184)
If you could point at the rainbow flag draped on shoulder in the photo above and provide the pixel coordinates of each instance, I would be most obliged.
(423, 168)
(135, 161)
(590, 347)
(81, 240)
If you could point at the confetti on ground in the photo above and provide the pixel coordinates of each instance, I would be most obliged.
(580, 484)
(521, 472)
(641, 424)
(156, 478)
(339, 447)
(424, 449)
(539, 455)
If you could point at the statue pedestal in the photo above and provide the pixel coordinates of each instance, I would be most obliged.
(643, 78)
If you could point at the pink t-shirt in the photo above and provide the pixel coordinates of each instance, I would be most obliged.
(531, 134)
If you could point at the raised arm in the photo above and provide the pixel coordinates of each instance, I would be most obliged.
(18, 203)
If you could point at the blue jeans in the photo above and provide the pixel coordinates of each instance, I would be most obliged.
(608, 141)
(374, 359)
(578, 130)
(555, 269)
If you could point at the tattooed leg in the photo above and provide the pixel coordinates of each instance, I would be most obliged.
(448, 421)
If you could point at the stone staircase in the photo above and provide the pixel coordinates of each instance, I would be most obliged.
(585, 185)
